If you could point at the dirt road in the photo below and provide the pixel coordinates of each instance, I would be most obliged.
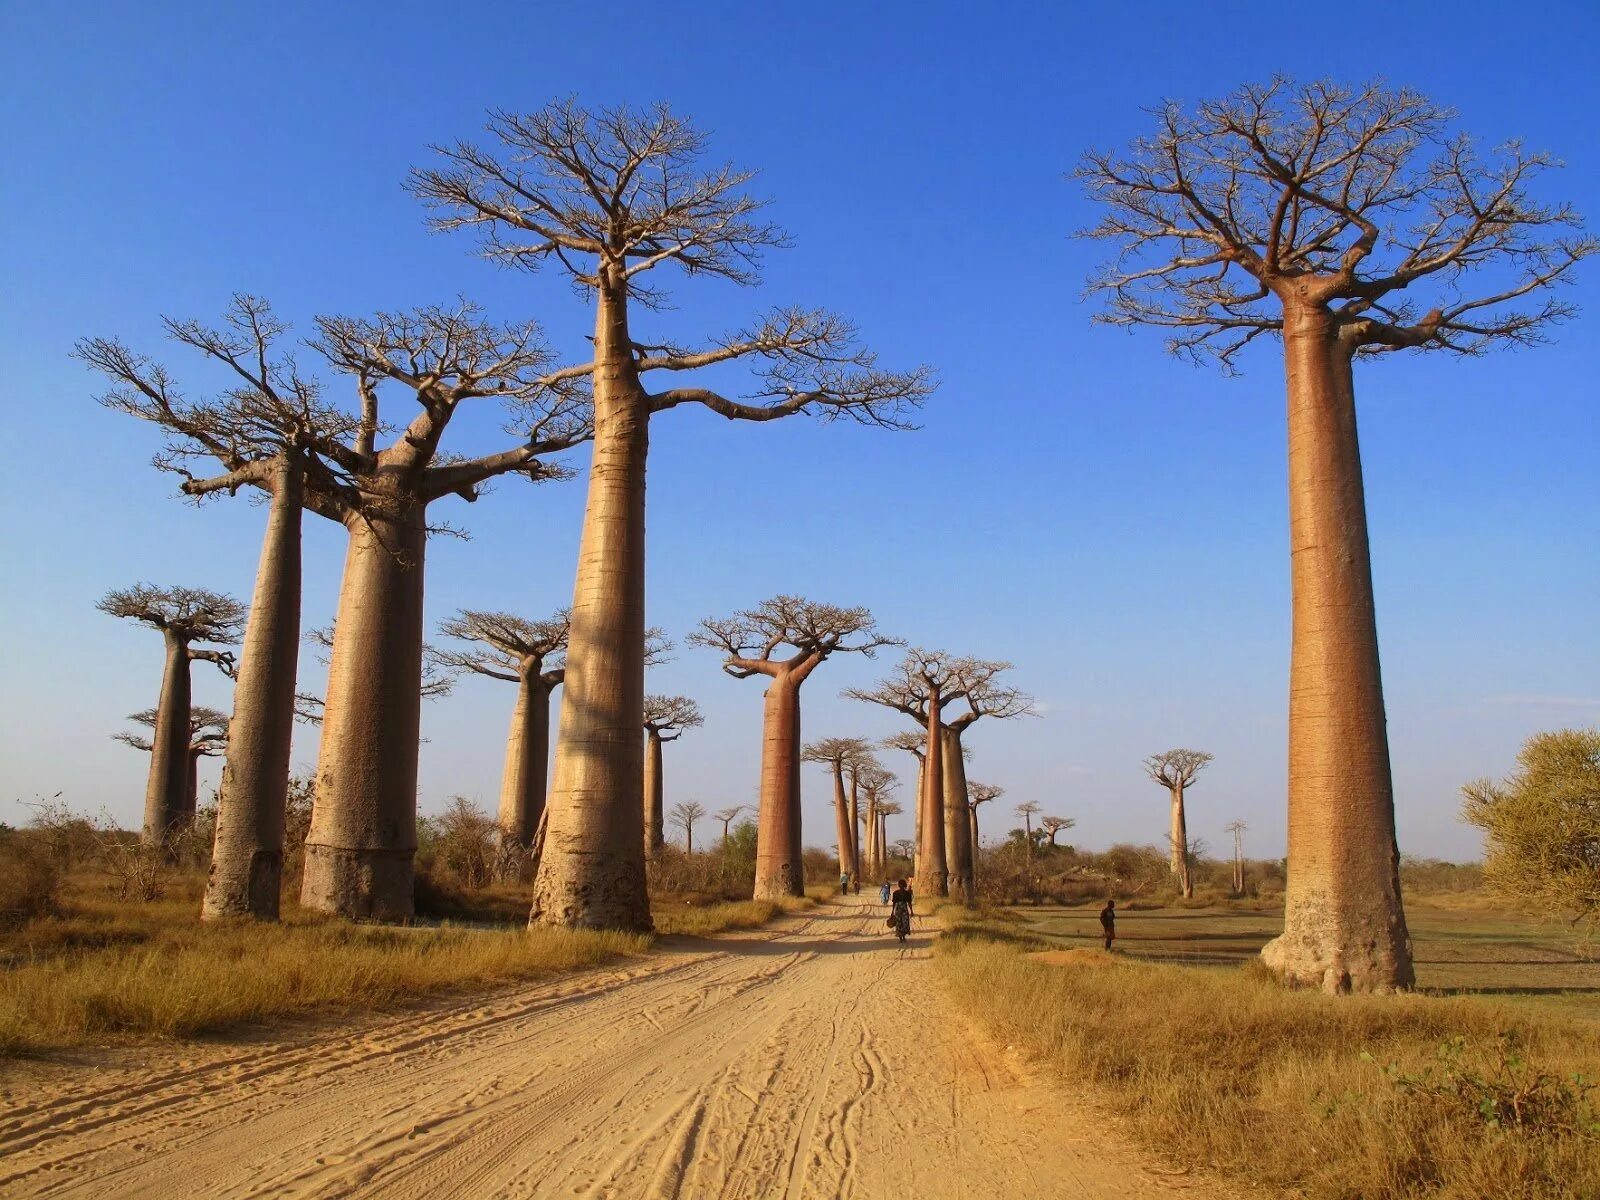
(810, 1059)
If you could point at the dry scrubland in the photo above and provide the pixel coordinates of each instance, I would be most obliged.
(105, 969)
(1349, 1098)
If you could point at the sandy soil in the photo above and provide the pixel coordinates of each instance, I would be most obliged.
(814, 1058)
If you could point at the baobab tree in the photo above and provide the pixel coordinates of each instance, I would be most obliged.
(268, 433)
(527, 653)
(184, 617)
(1175, 770)
(980, 793)
(1237, 828)
(1027, 810)
(1349, 222)
(858, 768)
(618, 198)
(924, 683)
(684, 815)
(875, 784)
(886, 809)
(1054, 825)
(984, 697)
(727, 816)
(665, 719)
(363, 829)
(208, 738)
(839, 754)
(752, 641)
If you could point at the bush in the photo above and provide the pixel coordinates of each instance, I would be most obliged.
(30, 878)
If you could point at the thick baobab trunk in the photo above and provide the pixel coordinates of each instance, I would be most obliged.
(972, 836)
(874, 869)
(655, 834)
(522, 785)
(363, 834)
(841, 816)
(779, 869)
(1344, 925)
(957, 817)
(247, 856)
(933, 874)
(166, 791)
(191, 786)
(1179, 837)
(591, 873)
(883, 845)
(855, 829)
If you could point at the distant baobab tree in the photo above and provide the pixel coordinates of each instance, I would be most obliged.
(727, 816)
(979, 793)
(184, 616)
(904, 849)
(923, 685)
(1175, 770)
(527, 653)
(1348, 222)
(858, 768)
(984, 697)
(611, 196)
(268, 433)
(1054, 825)
(752, 641)
(208, 737)
(1027, 810)
(684, 816)
(1237, 828)
(838, 754)
(875, 783)
(665, 719)
(886, 809)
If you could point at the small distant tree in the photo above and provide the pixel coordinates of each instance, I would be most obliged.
(1237, 828)
(875, 784)
(684, 816)
(1175, 770)
(727, 816)
(466, 842)
(1541, 826)
(785, 639)
(980, 793)
(185, 616)
(1027, 810)
(839, 754)
(513, 649)
(665, 719)
(1348, 222)
(1054, 825)
(208, 737)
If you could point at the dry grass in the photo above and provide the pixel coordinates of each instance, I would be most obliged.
(1222, 1068)
(703, 920)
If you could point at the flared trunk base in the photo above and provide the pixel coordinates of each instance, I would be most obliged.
(1342, 953)
(375, 885)
(247, 888)
(611, 896)
(784, 882)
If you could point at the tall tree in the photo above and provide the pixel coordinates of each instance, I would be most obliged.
(618, 197)
(267, 432)
(1237, 828)
(979, 793)
(886, 809)
(184, 616)
(208, 737)
(876, 783)
(984, 697)
(1348, 222)
(752, 641)
(665, 719)
(363, 831)
(1027, 810)
(727, 816)
(1175, 770)
(528, 654)
(684, 816)
(838, 754)
(1054, 825)
(923, 685)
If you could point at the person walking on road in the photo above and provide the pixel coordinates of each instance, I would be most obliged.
(844, 883)
(883, 893)
(1108, 922)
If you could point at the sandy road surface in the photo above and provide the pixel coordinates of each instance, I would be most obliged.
(810, 1059)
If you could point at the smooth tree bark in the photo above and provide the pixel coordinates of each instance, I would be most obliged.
(183, 616)
(208, 738)
(1348, 222)
(839, 755)
(925, 682)
(665, 719)
(363, 831)
(752, 641)
(984, 697)
(886, 809)
(876, 785)
(266, 432)
(1175, 770)
(527, 653)
(612, 196)
(1237, 828)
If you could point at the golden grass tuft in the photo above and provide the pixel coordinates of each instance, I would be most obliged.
(85, 984)
(1223, 1068)
(704, 920)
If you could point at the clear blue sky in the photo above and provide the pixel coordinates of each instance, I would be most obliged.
(1109, 518)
